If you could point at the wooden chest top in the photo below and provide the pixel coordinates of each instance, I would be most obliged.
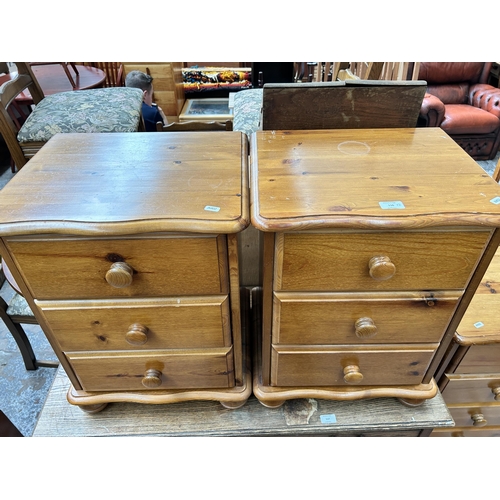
(119, 183)
(367, 179)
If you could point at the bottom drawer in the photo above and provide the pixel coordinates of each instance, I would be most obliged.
(475, 416)
(401, 365)
(467, 432)
(154, 370)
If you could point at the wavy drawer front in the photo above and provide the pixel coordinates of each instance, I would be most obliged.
(341, 262)
(335, 318)
(171, 323)
(180, 369)
(388, 365)
(82, 268)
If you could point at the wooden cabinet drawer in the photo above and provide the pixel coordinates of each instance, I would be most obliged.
(77, 268)
(472, 388)
(481, 359)
(175, 323)
(180, 369)
(390, 365)
(335, 318)
(467, 432)
(341, 261)
(475, 416)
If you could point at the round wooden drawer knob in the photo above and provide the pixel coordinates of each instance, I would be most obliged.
(137, 334)
(120, 275)
(152, 379)
(478, 420)
(496, 393)
(352, 375)
(365, 328)
(381, 268)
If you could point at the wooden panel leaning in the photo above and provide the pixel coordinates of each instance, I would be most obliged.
(348, 104)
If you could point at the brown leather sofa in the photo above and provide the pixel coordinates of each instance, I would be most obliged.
(459, 100)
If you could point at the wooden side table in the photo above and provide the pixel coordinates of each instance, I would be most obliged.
(374, 243)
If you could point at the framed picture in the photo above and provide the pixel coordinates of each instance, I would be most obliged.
(216, 109)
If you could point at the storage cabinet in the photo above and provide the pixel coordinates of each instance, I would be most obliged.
(129, 259)
(368, 264)
(470, 372)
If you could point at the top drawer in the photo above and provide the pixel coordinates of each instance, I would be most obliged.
(77, 268)
(377, 261)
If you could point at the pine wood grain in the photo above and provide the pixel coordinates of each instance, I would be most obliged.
(479, 388)
(336, 179)
(388, 365)
(180, 369)
(130, 183)
(165, 266)
(480, 323)
(171, 323)
(329, 318)
(335, 262)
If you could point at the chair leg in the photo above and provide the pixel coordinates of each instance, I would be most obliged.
(20, 337)
(7, 428)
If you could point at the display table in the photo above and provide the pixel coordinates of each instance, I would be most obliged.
(378, 417)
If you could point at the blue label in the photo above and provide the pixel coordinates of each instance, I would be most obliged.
(328, 419)
(496, 200)
(391, 205)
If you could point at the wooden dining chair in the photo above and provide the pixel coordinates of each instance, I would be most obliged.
(15, 313)
(116, 109)
(114, 72)
(192, 126)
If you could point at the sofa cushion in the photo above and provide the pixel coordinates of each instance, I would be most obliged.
(452, 93)
(114, 109)
(453, 72)
(464, 119)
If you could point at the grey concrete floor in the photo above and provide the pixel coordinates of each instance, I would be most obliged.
(22, 392)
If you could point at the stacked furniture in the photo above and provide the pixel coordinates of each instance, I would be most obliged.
(470, 373)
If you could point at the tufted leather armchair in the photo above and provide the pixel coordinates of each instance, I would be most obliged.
(459, 100)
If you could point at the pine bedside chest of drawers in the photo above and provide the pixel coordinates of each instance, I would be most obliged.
(125, 247)
(470, 375)
(374, 243)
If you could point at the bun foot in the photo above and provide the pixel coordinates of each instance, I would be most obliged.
(412, 403)
(271, 404)
(93, 408)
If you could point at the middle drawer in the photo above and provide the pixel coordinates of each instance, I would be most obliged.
(170, 323)
(336, 318)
